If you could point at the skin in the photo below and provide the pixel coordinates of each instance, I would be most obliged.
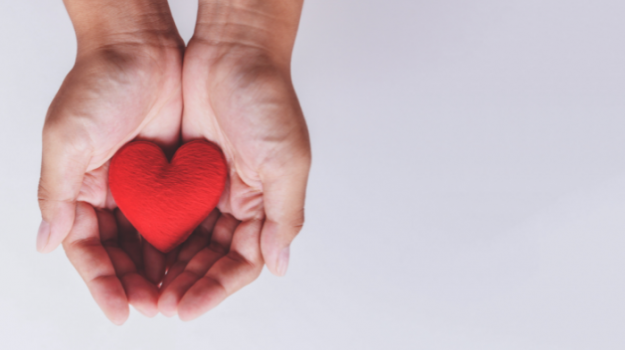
(238, 93)
(130, 81)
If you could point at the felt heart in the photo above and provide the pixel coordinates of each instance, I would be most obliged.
(166, 201)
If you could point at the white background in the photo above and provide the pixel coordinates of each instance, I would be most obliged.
(467, 191)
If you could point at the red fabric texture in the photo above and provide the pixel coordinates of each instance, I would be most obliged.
(166, 201)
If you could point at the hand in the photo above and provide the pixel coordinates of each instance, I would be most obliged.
(239, 94)
(110, 256)
(126, 84)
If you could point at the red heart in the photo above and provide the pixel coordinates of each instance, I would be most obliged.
(166, 201)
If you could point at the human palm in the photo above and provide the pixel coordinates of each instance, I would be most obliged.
(248, 106)
(111, 96)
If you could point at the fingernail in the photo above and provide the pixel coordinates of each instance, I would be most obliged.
(43, 235)
(283, 261)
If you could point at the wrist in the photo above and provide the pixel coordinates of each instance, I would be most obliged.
(110, 23)
(240, 30)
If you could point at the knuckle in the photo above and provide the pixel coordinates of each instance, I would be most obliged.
(42, 192)
(297, 221)
(47, 199)
(66, 137)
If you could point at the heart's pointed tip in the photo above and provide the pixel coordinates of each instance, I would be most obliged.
(158, 245)
(165, 250)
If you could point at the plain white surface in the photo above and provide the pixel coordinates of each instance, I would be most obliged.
(467, 191)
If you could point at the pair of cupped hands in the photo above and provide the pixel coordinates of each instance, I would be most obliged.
(138, 86)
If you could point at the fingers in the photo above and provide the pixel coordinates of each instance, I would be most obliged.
(65, 161)
(107, 227)
(141, 294)
(172, 273)
(154, 262)
(146, 258)
(198, 264)
(89, 257)
(198, 240)
(129, 240)
(284, 197)
(239, 267)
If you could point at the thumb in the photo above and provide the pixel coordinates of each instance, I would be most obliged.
(284, 196)
(64, 163)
